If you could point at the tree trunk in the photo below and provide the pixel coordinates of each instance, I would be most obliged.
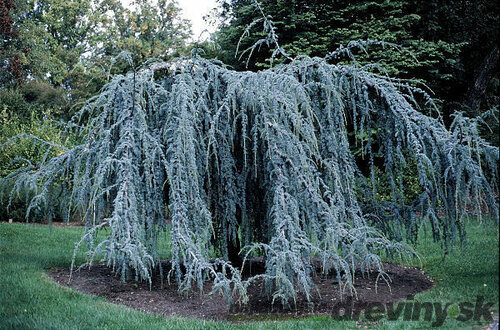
(233, 252)
(483, 76)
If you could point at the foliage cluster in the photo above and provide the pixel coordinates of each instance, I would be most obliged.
(18, 152)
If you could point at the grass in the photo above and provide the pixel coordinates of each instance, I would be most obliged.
(29, 299)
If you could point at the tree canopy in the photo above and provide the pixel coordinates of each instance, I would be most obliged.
(260, 162)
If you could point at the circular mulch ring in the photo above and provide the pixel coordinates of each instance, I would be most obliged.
(99, 280)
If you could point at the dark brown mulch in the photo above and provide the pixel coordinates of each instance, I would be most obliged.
(99, 280)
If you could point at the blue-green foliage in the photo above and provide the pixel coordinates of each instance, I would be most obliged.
(266, 158)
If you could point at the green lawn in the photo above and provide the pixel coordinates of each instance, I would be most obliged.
(29, 299)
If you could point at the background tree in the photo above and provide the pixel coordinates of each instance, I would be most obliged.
(71, 44)
(10, 59)
(145, 29)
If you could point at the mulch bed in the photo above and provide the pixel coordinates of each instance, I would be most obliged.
(99, 280)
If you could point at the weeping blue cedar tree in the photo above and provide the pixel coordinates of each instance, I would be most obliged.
(262, 162)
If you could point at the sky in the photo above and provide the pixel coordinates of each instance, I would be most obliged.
(194, 10)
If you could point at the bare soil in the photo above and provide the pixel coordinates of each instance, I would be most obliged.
(99, 280)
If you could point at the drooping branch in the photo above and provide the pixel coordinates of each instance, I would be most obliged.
(268, 159)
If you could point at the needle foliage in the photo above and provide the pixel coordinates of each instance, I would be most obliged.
(282, 162)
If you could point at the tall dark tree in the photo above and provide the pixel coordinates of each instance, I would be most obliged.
(474, 81)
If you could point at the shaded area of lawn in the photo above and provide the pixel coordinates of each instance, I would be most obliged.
(29, 299)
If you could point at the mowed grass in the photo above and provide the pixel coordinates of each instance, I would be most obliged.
(30, 299)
